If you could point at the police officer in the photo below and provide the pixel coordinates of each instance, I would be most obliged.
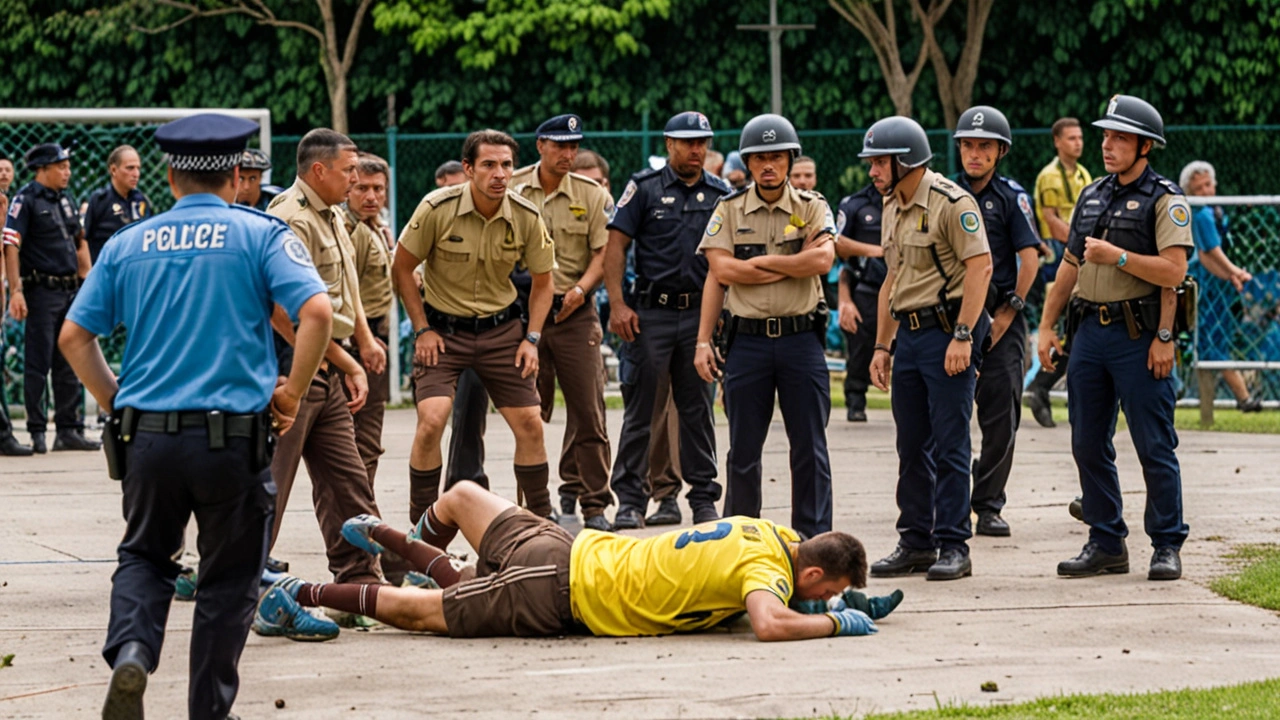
(45, 259)
(1128, 247)
(931, 315)
(858, 293)
(575, 212)
(9, 444)
(252, 191)
(190, 427)
(370, 240)
(770, 244)
(984, 138)
(117, 203)
(325, 433)
(471, 237)
(666, 212)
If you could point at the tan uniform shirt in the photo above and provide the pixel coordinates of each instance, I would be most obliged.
(941, 218)
(575, 214)
(746, 226)
(321, 227)
(373, 265)
(1109, 283)
(469, 259)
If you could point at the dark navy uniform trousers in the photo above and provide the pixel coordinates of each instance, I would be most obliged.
(46, 309)
(168, 478)
(666, 343)
(932, 411)
(1107, 371)
(999, 397)
(795, 370)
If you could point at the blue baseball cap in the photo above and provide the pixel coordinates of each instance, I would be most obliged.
(561, 128)
(208, 142)
(688, 125)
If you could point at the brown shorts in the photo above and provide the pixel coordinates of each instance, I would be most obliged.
(492, 354)
(521, 588)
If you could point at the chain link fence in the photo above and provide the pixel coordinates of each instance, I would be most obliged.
(1233, 150)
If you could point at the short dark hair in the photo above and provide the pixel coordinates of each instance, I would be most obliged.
(1061, 124)
(588, 159)
(321, 145)
(452, 167)
(192, 182)
(837, 554)
(370, 164)
(117, 155)
(471, 146)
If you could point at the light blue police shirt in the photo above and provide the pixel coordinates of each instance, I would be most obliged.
(194, 287)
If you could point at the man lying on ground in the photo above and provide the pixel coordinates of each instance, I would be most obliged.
(534, 579)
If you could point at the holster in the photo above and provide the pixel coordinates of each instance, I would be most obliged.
(1071, 324)
(113, 445)
(1131, 321)
(263, 442)
(722, 338)
(1184, 316)
(821, 316)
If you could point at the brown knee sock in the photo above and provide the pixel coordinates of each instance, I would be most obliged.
(424, 488)
(428, 559)
(532, 481)
(435, 532)
(348, 597)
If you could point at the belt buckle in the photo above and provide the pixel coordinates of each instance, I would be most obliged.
(773, 327)
(662, 300)
(682, 301)
(1104, 315)
(913, 321)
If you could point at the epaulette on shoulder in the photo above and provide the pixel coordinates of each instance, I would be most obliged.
(526, 170)
(735, 193)
(259, 214)
(519, 200)
(585, 180)
(810, 195)
(947, 189)
(718, 181)
(437, 197)
(1013, 184)
(645, 174)
(1171, 186)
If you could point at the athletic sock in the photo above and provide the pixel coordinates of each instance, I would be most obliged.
(423, 557)
(434, 531)
(424, 488)
(532, 481)
(357, 598)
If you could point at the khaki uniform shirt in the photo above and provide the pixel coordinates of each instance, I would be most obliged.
(575, 214)
(1059, 190)
(321, 228)
(940, 218)
(1110, 283)
(373, 265)
(746, 226)
(469, 259)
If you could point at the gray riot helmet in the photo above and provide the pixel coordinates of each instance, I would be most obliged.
(769, 133)
(984, 121)
(1126, 113)
(899, 136)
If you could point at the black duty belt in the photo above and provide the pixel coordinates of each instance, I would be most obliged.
(653, 296)
(447, 324)
(1109, 312)
(53, 282)
(172, 422)
(943, 316)
(774, 327)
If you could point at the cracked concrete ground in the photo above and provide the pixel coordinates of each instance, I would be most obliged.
(1014, 622)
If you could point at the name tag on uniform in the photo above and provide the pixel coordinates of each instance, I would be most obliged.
(204, 236)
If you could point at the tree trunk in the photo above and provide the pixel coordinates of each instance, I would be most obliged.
(883, 38)
(338, 103)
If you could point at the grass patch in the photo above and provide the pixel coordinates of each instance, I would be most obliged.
(1266, 422)
(1249, 701)
(1257, 580)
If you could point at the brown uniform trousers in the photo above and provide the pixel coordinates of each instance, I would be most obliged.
(369, 420)
(324, 435)
(570, 352)
(664, 445)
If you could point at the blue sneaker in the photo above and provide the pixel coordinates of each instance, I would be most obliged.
(184, 586)
(413, 578)
(359, 532)
(280, 615)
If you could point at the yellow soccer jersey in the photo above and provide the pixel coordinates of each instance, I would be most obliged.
(680, 581)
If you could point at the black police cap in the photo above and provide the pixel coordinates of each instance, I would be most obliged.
(207, 142)
(688, 125)
(46, 154)
(561, 128)
(255, 159)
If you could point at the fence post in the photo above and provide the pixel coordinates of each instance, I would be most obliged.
(1207, 388)
(393, 332)
(644, 139)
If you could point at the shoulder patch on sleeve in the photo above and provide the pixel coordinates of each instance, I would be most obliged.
(296, 250)
(627, 193)
(1179, 213)
(15, 207)
(715, 224)
(437, 197)
(969, 221)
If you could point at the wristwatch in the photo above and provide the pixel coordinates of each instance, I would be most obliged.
(1016, 302)
(420, 332)
(962, 333)
(533, 338)
(1164, 335)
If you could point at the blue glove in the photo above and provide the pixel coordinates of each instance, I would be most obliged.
(810, 607)
(876, 607)
(850, 622)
